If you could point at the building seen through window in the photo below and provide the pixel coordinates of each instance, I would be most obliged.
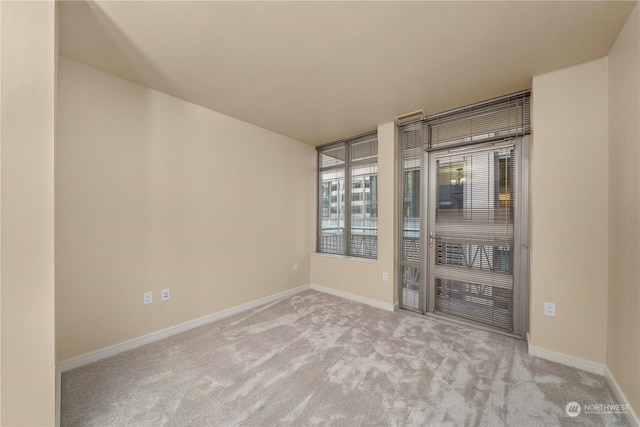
(348, 213)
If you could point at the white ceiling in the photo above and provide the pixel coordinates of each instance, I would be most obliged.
(322, 71)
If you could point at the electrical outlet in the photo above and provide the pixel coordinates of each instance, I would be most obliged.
(165, 294)
(148, 297)
(295, 266)
(385, 276)
(550, 309)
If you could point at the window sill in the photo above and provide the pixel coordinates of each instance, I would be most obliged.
(345, 257)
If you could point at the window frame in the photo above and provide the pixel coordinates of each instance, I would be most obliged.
(347, 195)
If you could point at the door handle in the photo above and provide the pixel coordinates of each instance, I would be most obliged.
(431, 238)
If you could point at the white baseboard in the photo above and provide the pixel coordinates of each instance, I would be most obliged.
(356, 298)
(94, 356)
(632, 417)
(564, 359)
(588, 366)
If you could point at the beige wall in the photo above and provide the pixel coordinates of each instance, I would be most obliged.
(27, 237)
(569, 210)
(359, 277)
(623, 336)
(1, 102)
(153, 192)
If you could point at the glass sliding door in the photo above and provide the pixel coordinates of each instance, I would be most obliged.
(463, 214)
(472, 214)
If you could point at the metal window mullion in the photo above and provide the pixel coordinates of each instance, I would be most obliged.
(521, 243)
(424, 218)
(319, 201)
(517, 239)
(364, 162)
(330, 168)
(347, 201)
(428, 196)
(400, 215)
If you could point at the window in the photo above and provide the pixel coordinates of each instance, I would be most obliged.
(348, 170)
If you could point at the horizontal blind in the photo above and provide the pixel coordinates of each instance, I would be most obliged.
(333, 156)
(411, 142)
(474, 230)
(499, 118)
(477, 207)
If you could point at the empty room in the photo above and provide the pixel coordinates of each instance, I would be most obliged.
(319, 213)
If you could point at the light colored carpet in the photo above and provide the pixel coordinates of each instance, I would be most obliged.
(316, 359)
